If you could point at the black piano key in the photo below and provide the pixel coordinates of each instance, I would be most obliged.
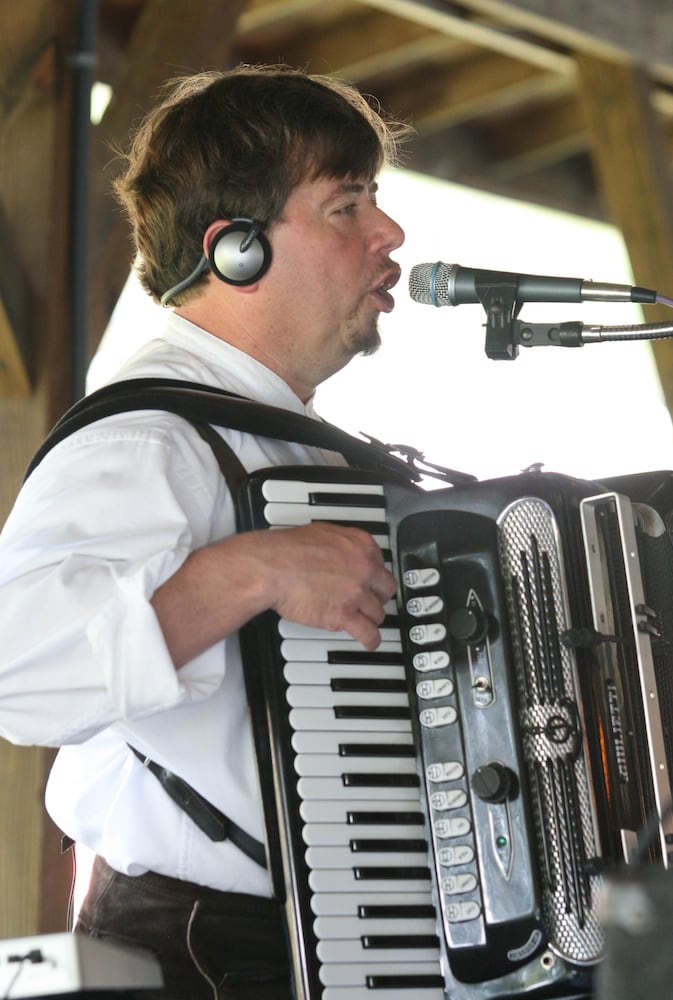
(410, 982)
(377, 750)
(398, 942)
(387, 818)
(395, 912)
(364, 658)
(372, 712)
(367, 684)
(380, 780)
(346, 499)
(410, 846)
(373, 527)
(391, 873)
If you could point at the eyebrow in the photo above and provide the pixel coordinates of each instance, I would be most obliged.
(355, 187)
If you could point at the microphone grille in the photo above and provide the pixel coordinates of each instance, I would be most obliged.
(429, 284)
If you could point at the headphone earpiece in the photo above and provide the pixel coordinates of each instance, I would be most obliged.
(240, 253)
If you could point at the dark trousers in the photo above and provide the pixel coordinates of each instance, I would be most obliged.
(210, 945)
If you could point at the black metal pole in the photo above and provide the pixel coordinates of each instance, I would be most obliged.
(83, 62)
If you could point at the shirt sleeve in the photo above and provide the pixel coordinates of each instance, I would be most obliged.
(106, 518)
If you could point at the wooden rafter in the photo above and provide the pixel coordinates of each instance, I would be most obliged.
(631, 157)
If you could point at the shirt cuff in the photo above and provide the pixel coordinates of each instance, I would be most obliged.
(129, 646)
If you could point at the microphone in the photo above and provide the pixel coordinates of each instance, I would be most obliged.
(441, 284)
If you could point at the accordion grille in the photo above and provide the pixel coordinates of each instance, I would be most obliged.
(551, 727)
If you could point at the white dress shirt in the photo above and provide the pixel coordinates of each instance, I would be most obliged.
(110, 514)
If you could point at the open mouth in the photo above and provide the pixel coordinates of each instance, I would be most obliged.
(382, 291)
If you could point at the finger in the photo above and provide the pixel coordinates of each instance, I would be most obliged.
(372, 607)
(364, 630)
(384, 585)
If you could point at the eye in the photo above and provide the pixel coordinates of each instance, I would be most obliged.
(347, 209)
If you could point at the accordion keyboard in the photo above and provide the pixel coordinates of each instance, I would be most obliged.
(361, 817)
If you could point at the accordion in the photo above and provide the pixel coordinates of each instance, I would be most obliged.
(441, 813)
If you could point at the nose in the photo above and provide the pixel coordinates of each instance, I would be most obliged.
(389, 233)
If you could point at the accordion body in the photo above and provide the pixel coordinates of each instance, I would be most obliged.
(441, 814)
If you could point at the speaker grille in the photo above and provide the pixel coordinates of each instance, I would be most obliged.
(551, 728)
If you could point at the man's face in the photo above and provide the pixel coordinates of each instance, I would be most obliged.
(330, 276)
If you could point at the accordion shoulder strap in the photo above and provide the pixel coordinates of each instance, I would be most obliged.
(205, 405)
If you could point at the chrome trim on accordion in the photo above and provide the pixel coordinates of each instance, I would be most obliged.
(642, 620)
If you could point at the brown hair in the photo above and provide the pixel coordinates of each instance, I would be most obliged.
(236, 143)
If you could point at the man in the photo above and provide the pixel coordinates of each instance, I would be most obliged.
(122, 581)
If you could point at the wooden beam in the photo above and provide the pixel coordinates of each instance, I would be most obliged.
(14, 380)
(438, 95)
(263, 13)
(639, 32)
(358, 44)
(22, 775)
(459, 22)
(35, 136)
(532, 138)
(631, 157)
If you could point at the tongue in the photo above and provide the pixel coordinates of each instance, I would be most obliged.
(387, 302)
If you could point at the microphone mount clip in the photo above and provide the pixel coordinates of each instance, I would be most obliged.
(497, 293)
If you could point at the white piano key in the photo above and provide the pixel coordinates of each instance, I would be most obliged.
(329, 743)
(362, 992)
(326, 811)
(293, 630)
(322, 858)
(323, 718)
(334, 789)
(343, 973)
(350, 928)
(323, 764)
(346, 904)
(382, 540)
(349, 951)
(342, 880)
(314, 649)
(324, 834)
(300, 491)
(323, 672)
(302, 513)
(390, 609)
(322, 696)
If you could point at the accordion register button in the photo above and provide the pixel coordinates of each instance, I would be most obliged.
(432, 718)
(440, 687)
(463, 854)
(446, 770)
(422, 606)
(454, 798)
(415, 579)
(436, 659)
(422, 635)
(455, 885)
(454, 826)
(467, 909)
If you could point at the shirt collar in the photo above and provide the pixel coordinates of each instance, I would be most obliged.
(233, 369)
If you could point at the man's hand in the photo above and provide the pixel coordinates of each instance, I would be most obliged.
(322, 575)
(330, 577)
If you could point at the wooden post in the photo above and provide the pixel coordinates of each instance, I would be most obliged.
(631, 157)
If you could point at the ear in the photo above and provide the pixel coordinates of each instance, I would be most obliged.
(213, 228)
(237, 250)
